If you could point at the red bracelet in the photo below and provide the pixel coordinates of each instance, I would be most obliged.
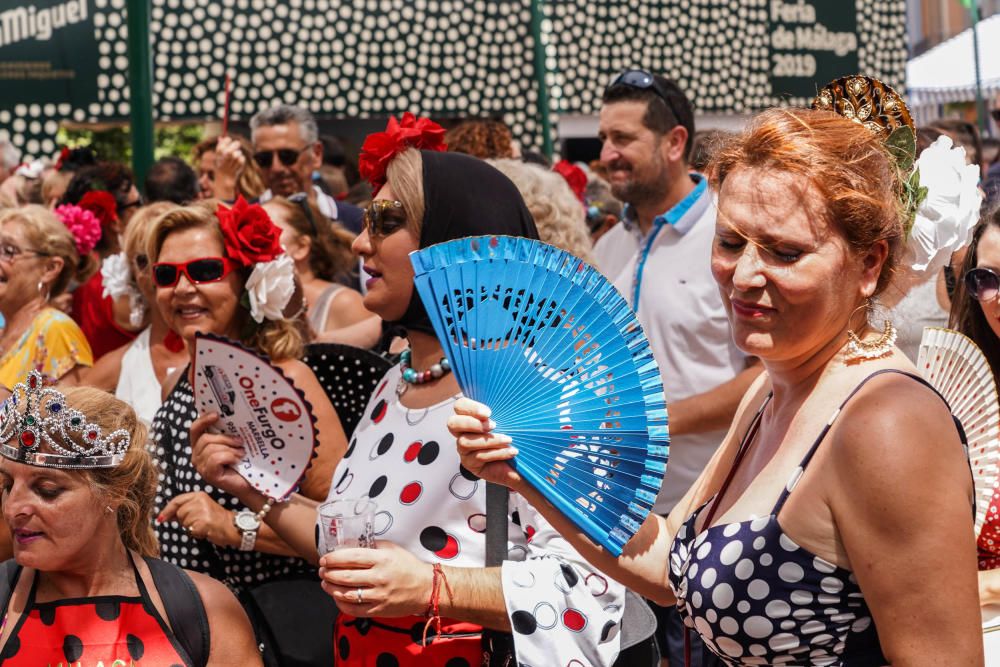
(433, 613)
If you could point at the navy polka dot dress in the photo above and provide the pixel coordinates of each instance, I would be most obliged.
(757, 598)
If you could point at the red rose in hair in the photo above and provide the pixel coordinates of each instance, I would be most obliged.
(250, 236)
(381, 147)
(102, 204)
(573, 175)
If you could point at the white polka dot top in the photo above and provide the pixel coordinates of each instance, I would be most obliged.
(757, 598)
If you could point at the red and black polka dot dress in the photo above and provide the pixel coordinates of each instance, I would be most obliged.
(108, 630)
(562, 611)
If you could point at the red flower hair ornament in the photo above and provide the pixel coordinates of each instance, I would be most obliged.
(248, 232)
(380, 148)
(574, 176)
(252, 239)
(102, 204)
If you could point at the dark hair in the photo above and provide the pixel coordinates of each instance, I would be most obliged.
(966, 314)
(110, 176)
(660, 116)
(78, 158)
(927, 136)
(965, 134)
(333, 151)
(991, 145)
(171, 179)
(534, 157)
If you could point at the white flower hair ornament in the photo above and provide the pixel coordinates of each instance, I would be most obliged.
(945, 219)
(116, 276)
(270, 288)
(252, 239)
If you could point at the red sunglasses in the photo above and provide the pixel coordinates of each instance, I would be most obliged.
(202, 270)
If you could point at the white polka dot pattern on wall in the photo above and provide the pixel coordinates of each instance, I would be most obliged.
(441, 58)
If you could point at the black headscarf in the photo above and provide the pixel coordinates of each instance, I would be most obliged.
(464, 196)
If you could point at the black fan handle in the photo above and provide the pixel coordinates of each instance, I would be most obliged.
(497, 498)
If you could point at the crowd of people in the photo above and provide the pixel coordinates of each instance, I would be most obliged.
(782, 274)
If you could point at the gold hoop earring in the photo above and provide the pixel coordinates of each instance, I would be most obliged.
(860, 350)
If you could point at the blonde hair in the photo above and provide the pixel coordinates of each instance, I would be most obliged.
(278, 339)
(558, 214)
(406, 173)
(48, 236)
(134, 241)
(131, 485)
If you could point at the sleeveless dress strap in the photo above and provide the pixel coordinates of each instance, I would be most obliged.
(797, 475)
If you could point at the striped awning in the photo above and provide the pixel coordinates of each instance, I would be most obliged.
(947, 72)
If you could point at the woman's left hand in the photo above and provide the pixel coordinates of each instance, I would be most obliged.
(202, 518)
(391, 581)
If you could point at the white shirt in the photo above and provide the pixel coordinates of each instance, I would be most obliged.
(137, 382)
(681, 311)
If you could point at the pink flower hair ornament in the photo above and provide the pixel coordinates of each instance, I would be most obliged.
(83, 225)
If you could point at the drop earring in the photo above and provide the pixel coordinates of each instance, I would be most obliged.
(861, 350)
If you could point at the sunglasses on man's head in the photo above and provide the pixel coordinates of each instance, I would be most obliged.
(643, 80)
(203, 270)
(383, 217)
(982, 283)
(287, 156)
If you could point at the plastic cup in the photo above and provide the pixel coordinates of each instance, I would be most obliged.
(346, 524)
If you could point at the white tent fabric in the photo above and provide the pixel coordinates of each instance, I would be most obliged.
(946, 73)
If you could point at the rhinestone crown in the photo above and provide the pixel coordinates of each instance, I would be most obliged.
(35, 415)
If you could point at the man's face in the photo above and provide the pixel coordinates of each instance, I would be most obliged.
(282, 179)
(632, 153)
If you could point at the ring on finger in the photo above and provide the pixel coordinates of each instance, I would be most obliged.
(359, 596)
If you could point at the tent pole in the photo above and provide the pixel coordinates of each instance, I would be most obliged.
(140, 81)
(544, 110)
(980, 102)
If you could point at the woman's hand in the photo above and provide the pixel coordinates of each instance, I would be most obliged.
(483, 452)
(202, 518)
(392, 581)
(215, 457)
(229, 164)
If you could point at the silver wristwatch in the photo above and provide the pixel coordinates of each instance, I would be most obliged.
(248, 523)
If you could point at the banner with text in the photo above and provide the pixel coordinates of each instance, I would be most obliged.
(811, 43)
(48, 52)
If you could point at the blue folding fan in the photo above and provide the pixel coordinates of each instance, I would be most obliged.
(555, 351)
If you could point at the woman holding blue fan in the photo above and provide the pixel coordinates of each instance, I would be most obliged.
(423, 596)
(834, 524)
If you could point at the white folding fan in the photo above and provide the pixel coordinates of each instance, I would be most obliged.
(957, 368)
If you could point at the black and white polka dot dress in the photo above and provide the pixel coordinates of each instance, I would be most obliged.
(171, 448)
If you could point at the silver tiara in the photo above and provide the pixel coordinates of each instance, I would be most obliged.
(35, 415)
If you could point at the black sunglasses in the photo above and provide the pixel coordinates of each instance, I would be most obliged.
(287, 156)
(996, 115)
(982, 283)
(203, 270)
(301, 199)
(141, 262)
(383, 217)
(643, 80)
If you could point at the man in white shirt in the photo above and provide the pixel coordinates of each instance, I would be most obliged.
(288, 150)
(659, 258)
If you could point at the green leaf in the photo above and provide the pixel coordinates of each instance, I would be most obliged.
(902, 145)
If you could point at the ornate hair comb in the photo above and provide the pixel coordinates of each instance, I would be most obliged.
(879, 108)
(46, 418)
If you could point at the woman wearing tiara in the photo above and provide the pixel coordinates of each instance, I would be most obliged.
(833, 525)
(424, 597)
(85, 585)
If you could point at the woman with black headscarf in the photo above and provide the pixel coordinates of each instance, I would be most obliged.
(427, 576)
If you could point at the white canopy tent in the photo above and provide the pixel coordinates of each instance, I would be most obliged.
(947, 72)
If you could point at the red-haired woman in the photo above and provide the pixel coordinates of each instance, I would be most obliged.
(833, 525)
